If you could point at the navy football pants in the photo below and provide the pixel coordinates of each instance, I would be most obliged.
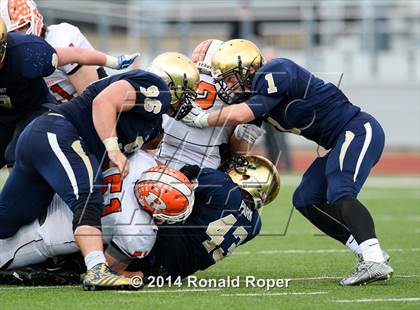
(50, 158)
(344, 170)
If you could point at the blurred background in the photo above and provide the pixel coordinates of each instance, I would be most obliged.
(369, 47)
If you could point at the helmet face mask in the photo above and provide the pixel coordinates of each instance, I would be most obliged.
(257, 178)
(235, 84)
(184, 99)
(181, 77)
(233, 67)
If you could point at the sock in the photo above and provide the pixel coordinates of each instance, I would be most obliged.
(356, 218)
(353, 245)
(322, 217)
(371, 251)
(94, 258)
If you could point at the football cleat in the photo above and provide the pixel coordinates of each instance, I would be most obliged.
(367, 272)
(101, 277)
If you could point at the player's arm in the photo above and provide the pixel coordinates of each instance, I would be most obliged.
(84, 56)
(83, 77)
(118, 97)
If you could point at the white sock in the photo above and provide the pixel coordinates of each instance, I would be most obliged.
(94, 258)
(353, 245)
(371, 251)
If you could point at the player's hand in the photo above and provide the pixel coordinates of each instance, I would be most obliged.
(125, 61)
(196, 118)
(118, 159)
(248, 133)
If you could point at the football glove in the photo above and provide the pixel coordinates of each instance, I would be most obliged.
(196, 118)
(248, 133)
(121, 61)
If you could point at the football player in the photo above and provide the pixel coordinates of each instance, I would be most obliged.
(128, 230)
(62, 151)
(292, 99)
(24, 61)
(206, 147)
(225, 215)
(67, 81)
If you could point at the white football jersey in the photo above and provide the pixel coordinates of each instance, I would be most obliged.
(182, 144)
(64, 35)
(125, 223)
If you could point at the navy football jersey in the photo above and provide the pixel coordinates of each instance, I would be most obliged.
(219, 222)
(28, 59)
(293, 99)
(134, 127)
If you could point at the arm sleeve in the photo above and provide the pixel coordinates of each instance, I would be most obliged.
(39, 59)
(270, 87)
(261, 105)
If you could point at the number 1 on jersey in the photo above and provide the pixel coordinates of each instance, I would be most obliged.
(271, 86)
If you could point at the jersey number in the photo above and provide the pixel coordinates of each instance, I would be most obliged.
(113, 184)
(271, 86)
(217, 231)
(5, 102)
(151, 105)
(206, 95)
(57, 89)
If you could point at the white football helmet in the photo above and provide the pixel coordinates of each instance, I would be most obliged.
(18, 14)
(165, 193)
(203, 53)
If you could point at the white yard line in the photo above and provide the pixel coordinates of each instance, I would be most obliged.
(272, 294)
(151, 291)
(38, 287)
(337, 278)
(377, 300)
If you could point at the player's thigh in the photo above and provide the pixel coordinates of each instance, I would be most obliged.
(313, 186)
(70, 169)
(358, 149)
(24, 197)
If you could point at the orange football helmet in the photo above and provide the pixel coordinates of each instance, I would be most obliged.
(20, 13)
(203, 53)
(165, 193)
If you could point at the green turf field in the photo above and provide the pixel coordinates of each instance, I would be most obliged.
(313, 262)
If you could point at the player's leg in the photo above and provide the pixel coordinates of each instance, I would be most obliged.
(348, 166)
(310, 199)
(24, 197)
(74, 174)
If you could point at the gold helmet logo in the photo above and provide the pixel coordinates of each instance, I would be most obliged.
(233, 66)
(182, 78)
(3, 39)
(257, 176)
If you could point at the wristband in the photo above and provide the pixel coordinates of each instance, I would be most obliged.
(111, 62)
(111, 144)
